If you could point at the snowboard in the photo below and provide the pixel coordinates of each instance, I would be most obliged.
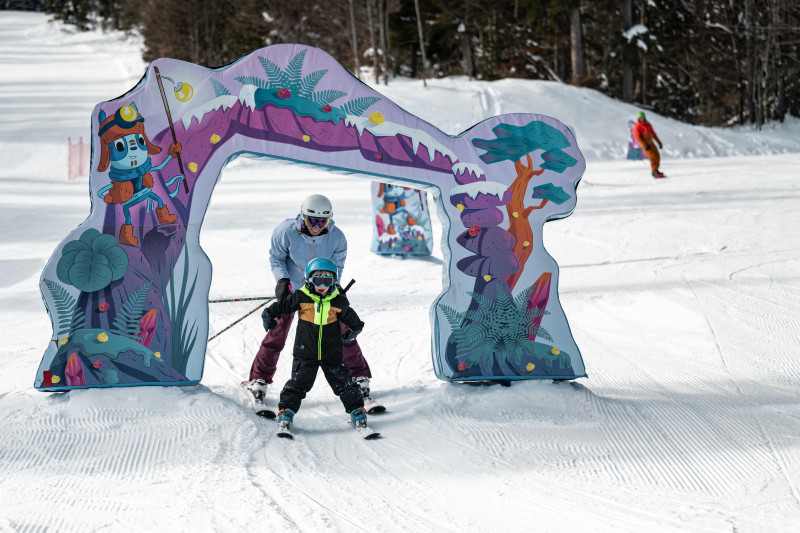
(258, 404)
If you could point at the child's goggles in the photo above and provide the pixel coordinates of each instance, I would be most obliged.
(322, 281)
(314, 222)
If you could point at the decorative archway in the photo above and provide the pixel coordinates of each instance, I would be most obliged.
(127, 290)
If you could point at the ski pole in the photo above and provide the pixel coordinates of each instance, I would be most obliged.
(348, 286)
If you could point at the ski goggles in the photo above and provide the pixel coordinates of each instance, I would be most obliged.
(314, 222)
(322, 281)
(125, 117)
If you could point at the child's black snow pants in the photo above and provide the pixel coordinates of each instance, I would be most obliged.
(304, 372)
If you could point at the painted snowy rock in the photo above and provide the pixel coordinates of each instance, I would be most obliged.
(498, 316)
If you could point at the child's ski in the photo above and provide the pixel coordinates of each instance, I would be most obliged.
(258, 403)
(285, 430)
(366, 432)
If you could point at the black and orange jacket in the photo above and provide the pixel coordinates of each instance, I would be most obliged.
(319, 335)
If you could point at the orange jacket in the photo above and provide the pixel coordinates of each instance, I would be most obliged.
(644, 133)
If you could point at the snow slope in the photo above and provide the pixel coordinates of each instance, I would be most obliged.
(682, 294)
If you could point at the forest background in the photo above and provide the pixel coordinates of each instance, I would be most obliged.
(707, 62)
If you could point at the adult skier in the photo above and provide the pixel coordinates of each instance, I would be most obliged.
(646, 135)
(295, 242)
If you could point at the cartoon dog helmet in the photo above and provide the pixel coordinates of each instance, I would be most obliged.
(125, 121)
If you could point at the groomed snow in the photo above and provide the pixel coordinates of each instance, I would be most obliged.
(683, 295)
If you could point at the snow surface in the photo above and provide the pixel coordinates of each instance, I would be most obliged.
(683, 295)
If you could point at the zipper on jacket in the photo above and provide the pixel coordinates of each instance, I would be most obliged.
(319, 337)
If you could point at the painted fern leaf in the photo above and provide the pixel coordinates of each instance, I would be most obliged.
(327, 96)
(252, 80)
(276, 76)
(358, 105)
(65, 306)
(309, 83)
(127, 320)
(294, 71)
(219, 88)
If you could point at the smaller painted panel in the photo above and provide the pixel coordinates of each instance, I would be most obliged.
(402, 220)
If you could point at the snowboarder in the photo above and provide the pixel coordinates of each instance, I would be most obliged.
(644, 133)
(311, 234)
(319, 344)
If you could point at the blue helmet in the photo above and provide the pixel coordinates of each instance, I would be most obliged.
(321, 263)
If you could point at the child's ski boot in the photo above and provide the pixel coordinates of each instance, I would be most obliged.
(358, 418)
(285, 419)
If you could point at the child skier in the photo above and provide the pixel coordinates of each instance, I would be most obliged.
(318, 344)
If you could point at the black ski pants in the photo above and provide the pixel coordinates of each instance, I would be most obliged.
(304, 372)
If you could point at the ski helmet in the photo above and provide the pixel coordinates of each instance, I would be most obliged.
(316, 206)
(321, 263)
(640, 114)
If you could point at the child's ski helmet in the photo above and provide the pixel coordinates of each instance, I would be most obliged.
(316, 206)
(321, 263)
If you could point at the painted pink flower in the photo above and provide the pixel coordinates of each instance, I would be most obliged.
(462, 366)
(97, 364)
(378, 155)
(326, 108)
(474, 230)
(284, 93)
(103, 306)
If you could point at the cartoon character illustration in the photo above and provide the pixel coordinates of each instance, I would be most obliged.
(124, 147)
(394, 202)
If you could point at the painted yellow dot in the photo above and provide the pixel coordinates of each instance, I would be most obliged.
(193, 166)
(102, 337)
(487, 277)
(55, 379)
(515, 214)
(306, 138)
(555, 351)
(376, 117)
(460, 207)
(530, 367)
(215, 139)
(526, 244)
(157, 355)
(419, 238)
(64, 340)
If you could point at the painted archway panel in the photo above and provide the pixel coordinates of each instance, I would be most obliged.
(402, 220)
(127, 290)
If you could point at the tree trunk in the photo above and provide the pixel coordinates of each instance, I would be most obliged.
(384, 40)
(750, 50)
(780, 75)
(794, 75)
(356, 64)
(576, 48)
(373, 43)
(421, 44)
(627, 69)
(643, 95)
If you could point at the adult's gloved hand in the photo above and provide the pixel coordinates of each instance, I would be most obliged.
(660, 145)
(350, 335)
(282, 289)
(268, 320)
